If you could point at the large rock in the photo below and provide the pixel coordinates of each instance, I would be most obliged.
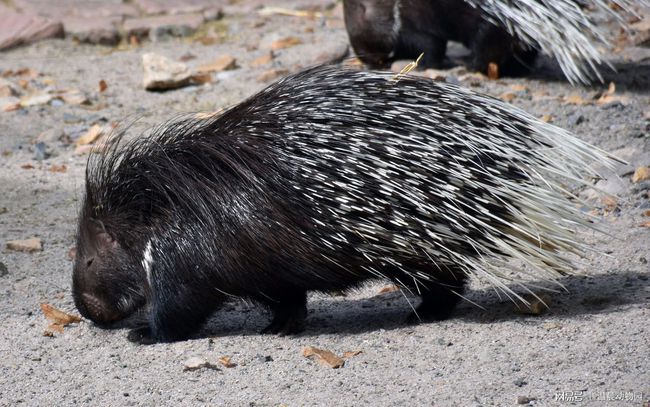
(17, 29)
(161, 73)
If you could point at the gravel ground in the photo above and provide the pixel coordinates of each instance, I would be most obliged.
(590, 348)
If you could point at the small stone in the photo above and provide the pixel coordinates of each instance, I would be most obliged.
(160, 27)
(41, 151)
(575, 119)
(3, 269)
(28, 245)
(161, 73)
(520, 382)
(525, 399)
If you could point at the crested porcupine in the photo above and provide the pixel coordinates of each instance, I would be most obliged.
(325, 179)
(495, 30)
(382, 31)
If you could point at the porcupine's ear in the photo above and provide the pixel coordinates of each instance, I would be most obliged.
(100, 236)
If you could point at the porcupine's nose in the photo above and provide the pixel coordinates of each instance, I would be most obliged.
(96, 310)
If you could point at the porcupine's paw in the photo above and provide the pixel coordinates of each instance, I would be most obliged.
(288, 316)
(141, 336)
(431, 311)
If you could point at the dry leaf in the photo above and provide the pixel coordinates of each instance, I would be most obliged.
(102, 85)
(58, 168)
(493, 71)
(262, 60)
(201, 78)
(389, 289)
(518, 88)
(195, 363)
(285, 43)
(645, 224)
(225, 361)
(324, 357)
(27, 167)
(547, 118)
(271, 74)
(222, 63)
(73, 97)
(268, 11)
(28, 245)
(54, 327)
(507, 96)
(641, 174)
(610, 202)
(36, 99)
(90, 136)
(351, 354)
(537, 304)
(646, 213)
(57, 316)
(574, 100)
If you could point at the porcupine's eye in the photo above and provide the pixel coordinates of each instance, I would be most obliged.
(89, 261)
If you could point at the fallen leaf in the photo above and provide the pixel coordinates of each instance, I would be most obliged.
(90, 136)
(201, 78)
(645, 224)
(507, 96)
(285, 43)
(547, 118)
(351, 354)
(262, 60)
(324, 357)
(58, 168)
(196, 363)
(537, 304)
(574, 99)
(609, 202)
(641, 174)
(518, 88)
(272, 74)
(57, 316)
(73, 97)
(36, 99)
(72, 253)
(646, 213)
(268, 11)
(102, 85)
(54, 327)
(27, 245)
(222, 63)
(225, 361)
(389, 289)
(493, 71)
(27, 167)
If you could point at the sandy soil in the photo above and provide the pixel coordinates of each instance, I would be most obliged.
(590, 348)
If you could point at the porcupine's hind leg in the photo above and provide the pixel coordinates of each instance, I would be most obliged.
(439, 296)
(289, 312)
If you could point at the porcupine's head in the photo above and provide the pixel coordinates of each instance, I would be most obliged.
(372, 28)
(108, 280)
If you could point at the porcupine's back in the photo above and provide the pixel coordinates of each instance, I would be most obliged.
(358, 172)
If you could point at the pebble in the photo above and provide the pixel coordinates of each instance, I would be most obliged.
(3, 269)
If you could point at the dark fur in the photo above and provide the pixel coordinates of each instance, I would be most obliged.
(226, 206)
(426, 26)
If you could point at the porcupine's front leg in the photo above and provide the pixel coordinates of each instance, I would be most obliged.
(439, 297)
(180, 296)
(289, 313)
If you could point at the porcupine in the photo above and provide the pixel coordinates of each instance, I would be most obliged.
(381, 31)
(325, 179)
(506, 32)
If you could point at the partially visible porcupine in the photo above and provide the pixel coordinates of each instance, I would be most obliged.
(495, 30)
(382, 31)
(326, 179)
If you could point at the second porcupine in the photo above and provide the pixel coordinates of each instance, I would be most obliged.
(326, 179)
(382, 31)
